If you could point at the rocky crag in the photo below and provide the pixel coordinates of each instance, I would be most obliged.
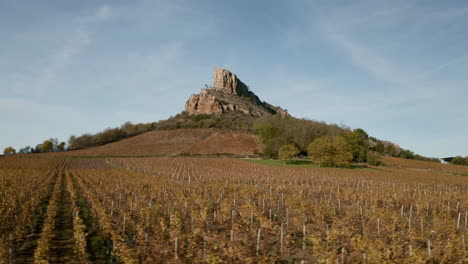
(229, 94)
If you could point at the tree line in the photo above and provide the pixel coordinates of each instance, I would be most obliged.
(48, 145)
(232, 121)
(326, 144)
(273, 131)
(459, 160)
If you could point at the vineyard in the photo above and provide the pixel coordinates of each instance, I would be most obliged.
(425, 165)
(220, 210)
(226, 142)
(171, 142)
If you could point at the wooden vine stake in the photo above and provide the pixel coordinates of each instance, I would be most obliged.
(258, 241)
(282, 238)
(429, 248)
(176, 245)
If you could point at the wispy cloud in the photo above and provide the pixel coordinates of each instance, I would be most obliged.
(452, 62)
(78, 38)
(365, 57)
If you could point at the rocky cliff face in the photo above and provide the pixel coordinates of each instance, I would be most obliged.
(228, 93)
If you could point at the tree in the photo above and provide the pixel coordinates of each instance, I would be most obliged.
(272, 146)
(342, 152)
(357, 142)
(9, 151)
(287, 152)
(459, 160)
(327, 153)
(380, 147)
(406, 154)
(361, 133)
(26, 150)
(61, 146)
(267, 131)
(72, 142)
(373, 159)
(47, 146)
(301, 132)
(321, 151)
(37, 149)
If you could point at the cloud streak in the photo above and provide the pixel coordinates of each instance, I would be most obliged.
(452, 62)
(74, 43)
(365, 57)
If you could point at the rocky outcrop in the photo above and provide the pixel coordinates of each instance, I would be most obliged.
(226, 81)
(227, 94)
(203, 103)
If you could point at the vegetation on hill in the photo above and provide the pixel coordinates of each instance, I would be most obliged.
(459, 160)
(231, 121)
(48, 145)
(274, 131)
(336, 153)
(424, 165)
(9, 150)
(287, 152)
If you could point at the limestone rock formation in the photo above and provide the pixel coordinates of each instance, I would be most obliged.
(228, 93)
(228, 82)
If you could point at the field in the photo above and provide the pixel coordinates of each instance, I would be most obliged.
(220, 210)
(173, 142)
(425, 166)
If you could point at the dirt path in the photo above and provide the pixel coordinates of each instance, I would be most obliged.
(62, 242)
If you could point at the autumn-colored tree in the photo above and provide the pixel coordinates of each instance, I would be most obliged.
(9, 150)
(274, 129)
(321, 151)
(357, 142)
(287, 152)
(327, 153)
(342, 155)
(47, 146)
(373, 159)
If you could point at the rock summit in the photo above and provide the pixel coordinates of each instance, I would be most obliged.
(228, 94)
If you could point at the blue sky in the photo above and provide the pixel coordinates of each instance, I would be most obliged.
(397, 69)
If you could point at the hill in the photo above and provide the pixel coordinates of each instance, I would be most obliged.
(227, 105)
(424, 165)
(180, 141)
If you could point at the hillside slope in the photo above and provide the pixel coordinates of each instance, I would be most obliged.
(226, 142)
(424, 165)
(180, 141)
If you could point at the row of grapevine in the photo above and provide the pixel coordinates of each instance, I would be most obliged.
(24, 194)
(206, 210)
